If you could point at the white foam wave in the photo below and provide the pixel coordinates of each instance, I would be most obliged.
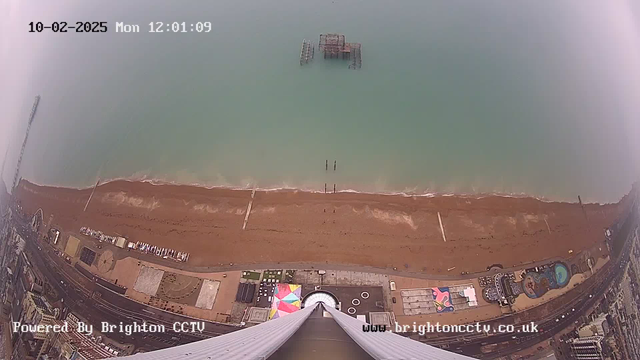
(145, 178)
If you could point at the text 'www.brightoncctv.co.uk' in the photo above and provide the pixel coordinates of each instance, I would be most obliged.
(477, 328)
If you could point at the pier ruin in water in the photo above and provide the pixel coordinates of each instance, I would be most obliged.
(333, 46)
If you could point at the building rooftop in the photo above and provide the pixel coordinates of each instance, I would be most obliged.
(87, 347)
(41, 304)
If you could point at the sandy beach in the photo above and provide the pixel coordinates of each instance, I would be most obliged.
(346, 228)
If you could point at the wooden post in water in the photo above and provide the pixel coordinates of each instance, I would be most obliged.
(334, 188)
(326, 165)
(335, 162)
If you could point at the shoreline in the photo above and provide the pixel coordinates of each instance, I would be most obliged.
(479, 195)
(359, 229)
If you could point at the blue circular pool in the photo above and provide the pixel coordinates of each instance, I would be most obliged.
(562, 274)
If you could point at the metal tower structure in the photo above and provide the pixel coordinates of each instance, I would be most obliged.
(267, 339)
(24, 143)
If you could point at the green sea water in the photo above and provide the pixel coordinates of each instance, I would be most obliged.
(452, 97)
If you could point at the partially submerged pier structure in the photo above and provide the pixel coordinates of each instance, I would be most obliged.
(333, 46)
(356, 56)
(307, 52)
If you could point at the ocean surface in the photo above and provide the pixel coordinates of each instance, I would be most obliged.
(537, 98)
